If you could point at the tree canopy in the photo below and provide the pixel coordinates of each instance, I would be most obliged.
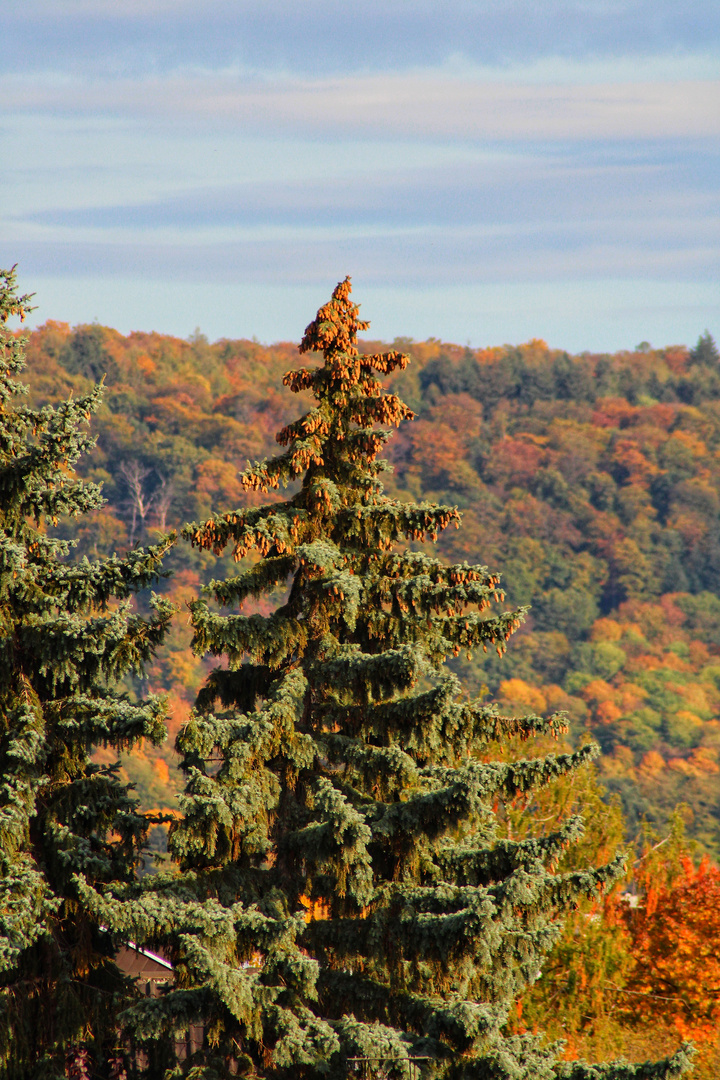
(590, 482)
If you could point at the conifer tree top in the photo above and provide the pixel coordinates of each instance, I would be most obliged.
(335, 327)
(350, 401)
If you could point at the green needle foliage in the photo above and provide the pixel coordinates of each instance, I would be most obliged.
(342, 809)
(66, 824)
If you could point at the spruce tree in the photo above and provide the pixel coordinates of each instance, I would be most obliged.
(706, 351)
(68, 826)
(341, 804)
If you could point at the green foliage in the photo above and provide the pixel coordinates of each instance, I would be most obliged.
(67, 824)
(705, 352)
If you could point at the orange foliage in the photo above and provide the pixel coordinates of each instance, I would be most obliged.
(162, 770)
(315, 910)
(663, 415)
(606, 630)
(178, 714)
(645, 662)
(614, 413)
(686, 438)
(631, 696)
(598, 691)
(675, 934)
(704, 760)
(218, 481)
(557, 699)
(433, 450)
(676, 358)
(603, 498)
(691, 527)
(634, 466)
(652, 764)
(699, 653)
(521, 694)
(607, 712)
(146, 364)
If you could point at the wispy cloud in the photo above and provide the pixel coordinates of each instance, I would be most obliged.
(428, 259)
(540, 187)
(420, 104)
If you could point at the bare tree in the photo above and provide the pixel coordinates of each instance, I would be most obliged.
(163, 497)
(139, 501)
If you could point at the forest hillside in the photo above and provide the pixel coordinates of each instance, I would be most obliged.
(591, 482)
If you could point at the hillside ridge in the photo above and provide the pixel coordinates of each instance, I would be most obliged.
(591, 482)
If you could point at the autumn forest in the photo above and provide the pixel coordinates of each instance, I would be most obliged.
(591, 483)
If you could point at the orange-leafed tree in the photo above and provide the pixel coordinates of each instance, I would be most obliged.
(675, 932)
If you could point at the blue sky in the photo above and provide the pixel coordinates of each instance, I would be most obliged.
(487, 172)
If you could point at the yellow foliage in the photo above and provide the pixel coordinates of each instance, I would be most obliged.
(695, 697)
(519, 693)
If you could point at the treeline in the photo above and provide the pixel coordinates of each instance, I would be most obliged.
(591, 482)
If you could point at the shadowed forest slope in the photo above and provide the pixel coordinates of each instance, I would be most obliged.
(591, 482)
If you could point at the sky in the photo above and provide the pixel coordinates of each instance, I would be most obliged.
(487, 171)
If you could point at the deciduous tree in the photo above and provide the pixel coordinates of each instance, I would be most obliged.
(674, 928)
